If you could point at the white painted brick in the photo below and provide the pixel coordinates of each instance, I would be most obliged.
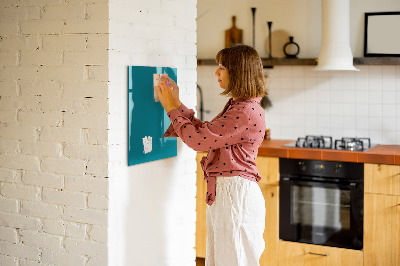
(185, 48)
(61, 73)
(7, 175)
(64, 42)
(20, 161)
(98, 233)
(88, 152)
(39, 2)
(22, 43)
(18, 13)
(8, 146)
(97, 11)
(85, 247)
(85, 216)
(86, 89)
(19, 191)
(41, 148)
(95, 136)
(20, 221)
(85, 26)
(26, 262)
(19, 73)
(8, 117)
(76, 230)
(98, 42)
(8, 261)
(18, 132)
(63, 166)
(40, 209)
(8, 88)
(48, 58)
(35, 239)
(87, 184)
(8, 234)
(98, 261)
(58, 134)
(8, 29)
(85, 121)
(69, 12)
(43, 179)
(20, 251)
(97, 202)
(96, 105)
(54, 227)
(40, 118)
(64, 197)
(97, 169)
(62, 104)
(62, 258)
(91, 57)
(8, 205)
(186, 23)
(191, 61)
(41, 27)
(9, 58)
(39, 88)
(98, 73)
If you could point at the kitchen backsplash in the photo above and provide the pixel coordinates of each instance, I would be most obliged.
(365, 103)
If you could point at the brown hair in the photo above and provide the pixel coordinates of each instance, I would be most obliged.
(245, 69)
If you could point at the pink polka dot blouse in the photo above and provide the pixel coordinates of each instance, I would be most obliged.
(232, 139)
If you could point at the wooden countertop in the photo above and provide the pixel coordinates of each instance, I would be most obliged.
(380, 154)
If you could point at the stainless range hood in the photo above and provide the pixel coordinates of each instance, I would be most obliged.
(335, 52)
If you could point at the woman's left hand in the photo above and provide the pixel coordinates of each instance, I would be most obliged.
(165, 95)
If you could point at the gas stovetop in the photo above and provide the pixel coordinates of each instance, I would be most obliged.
(326, 142)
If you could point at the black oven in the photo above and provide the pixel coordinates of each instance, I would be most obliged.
(321, 202)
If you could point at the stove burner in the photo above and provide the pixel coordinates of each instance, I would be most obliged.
(324, 142)
(353, 144)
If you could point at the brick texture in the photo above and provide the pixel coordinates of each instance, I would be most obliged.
(53, 118)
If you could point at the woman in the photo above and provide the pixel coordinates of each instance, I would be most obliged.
(236, 212)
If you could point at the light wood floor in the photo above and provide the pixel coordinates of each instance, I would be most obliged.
(200, 262)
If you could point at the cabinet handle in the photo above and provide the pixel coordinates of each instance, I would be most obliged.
(318, 254)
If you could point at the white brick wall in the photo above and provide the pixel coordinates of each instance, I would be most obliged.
(152, 205)
(53, 132)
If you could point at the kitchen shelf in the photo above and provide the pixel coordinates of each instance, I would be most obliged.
(269, 63)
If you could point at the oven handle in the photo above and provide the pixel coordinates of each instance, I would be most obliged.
(310, 182)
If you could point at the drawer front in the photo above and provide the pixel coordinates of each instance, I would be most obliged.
(299, 254)
(382, 179)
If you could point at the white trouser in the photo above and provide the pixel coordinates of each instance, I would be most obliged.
(235, 223)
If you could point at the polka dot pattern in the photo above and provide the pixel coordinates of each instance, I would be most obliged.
(232, 139)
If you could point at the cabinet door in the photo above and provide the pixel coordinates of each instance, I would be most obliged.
(381, 230)
(201, 205)
(271, 232)
(299, 254)
(382, 179)
(268, 168)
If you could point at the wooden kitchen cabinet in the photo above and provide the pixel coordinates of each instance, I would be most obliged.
(382, 179)
(300, 254)
(382, 215)
(201, 205)
(271, 232)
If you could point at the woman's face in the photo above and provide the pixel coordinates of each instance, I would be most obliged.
(223, 76)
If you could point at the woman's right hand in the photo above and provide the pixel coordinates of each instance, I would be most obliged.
(175, 91)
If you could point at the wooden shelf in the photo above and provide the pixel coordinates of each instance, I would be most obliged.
(269, 63)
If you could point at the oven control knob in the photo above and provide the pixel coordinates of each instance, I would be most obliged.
(338, 170)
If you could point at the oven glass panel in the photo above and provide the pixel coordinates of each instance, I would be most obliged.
(321, 207)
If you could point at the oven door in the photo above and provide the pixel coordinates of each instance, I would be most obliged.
(321, 212)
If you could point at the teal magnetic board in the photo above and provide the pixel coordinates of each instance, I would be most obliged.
(147, 119)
